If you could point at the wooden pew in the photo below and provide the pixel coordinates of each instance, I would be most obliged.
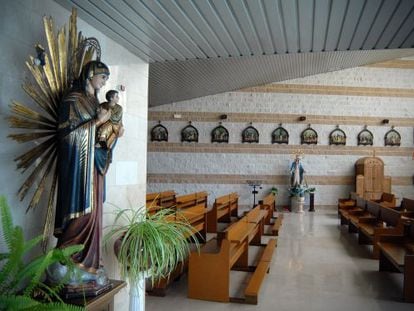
(347, 203)
(209, 269)
(251, 292)
(257, 216)
(384, 220)
(387, 200)
(354, 211)
(268, 204)
(196, 216)
(159, 200)
(397, 255)
(406, 205)
(192, 199)
(223, 208)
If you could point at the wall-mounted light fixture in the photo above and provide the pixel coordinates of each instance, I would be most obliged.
(223, 117)
(302, 118)
(385, 121)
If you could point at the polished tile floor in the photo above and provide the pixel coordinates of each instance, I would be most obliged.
(317, 266)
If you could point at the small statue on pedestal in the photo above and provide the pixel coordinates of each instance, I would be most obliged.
(297, 187)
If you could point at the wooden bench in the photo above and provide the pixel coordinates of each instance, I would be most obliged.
(192, 199)
(406, 205)
(384, 220)
(269, 203)
(159, 200)
(251, 292)
(387, 200)
(209, 269)
(196, 216)
(346, 213)
(223, 208)
(397, 255)
(347, 203)
(258, 217)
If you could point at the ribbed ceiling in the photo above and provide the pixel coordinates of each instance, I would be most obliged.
(196, 78)
(194, 32)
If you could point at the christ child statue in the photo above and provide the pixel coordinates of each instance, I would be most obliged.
(112, 129)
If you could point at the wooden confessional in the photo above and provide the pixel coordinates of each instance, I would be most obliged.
(370, 180)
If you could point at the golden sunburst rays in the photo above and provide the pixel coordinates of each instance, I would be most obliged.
(63, 61)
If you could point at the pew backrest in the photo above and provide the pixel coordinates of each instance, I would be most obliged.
(390, 216)
(192, 199)
(361, 202)
(374, 209)
(407, 205)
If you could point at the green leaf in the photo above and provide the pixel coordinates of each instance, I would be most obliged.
(16, 273)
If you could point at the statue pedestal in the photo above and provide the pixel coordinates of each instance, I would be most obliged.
(297, 204)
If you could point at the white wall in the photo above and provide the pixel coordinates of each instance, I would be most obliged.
(330, 166)
(21, 27)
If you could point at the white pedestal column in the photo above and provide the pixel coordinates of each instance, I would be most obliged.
(297, 204)
(137, 295)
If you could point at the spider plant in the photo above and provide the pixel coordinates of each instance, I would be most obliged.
(21, 284)
(153, 244)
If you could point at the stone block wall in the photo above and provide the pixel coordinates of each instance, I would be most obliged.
(351, 98)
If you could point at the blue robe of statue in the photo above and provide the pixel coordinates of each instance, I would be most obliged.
(81, 188)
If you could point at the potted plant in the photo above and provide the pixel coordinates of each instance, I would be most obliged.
(274, 191)
(21, 283)
(148, 246)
